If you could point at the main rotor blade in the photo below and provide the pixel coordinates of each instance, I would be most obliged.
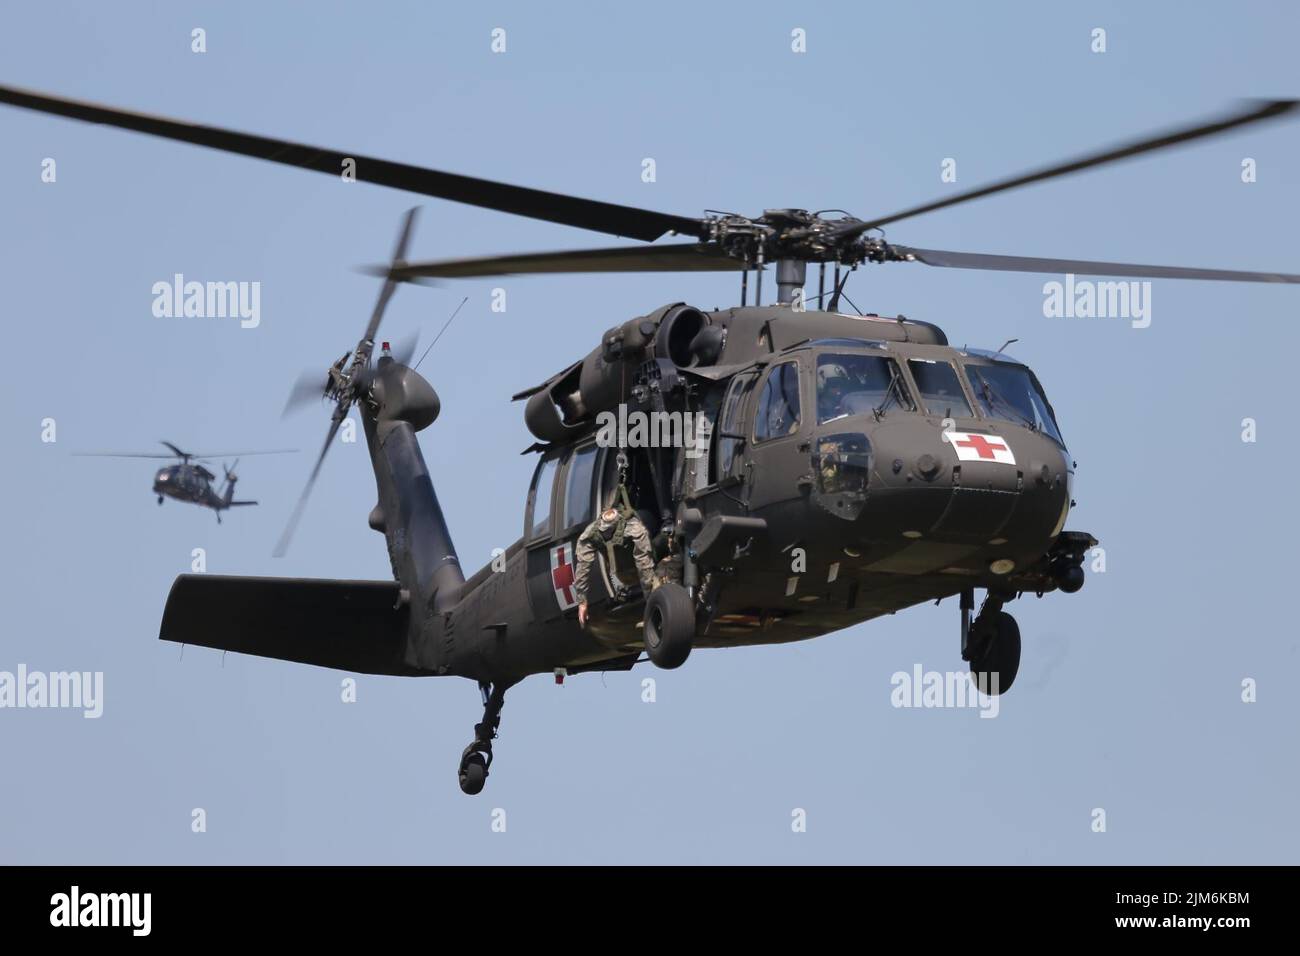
(209, 456)
(976, 260)
(197, 456)
(282, 546)
(1258, 112)
(678, 257)
(122, 454)
(567, 210)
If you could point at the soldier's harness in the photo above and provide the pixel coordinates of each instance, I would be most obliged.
(615, 537)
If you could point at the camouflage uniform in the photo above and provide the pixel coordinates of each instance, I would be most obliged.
(608, 535)
(669, 569)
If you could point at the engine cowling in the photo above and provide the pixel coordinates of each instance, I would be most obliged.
(567, 404)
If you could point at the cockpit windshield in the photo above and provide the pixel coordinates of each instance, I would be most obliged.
(939, 387)
(1010, 393)
(849, 384)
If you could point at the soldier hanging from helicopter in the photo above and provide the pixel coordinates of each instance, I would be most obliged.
(615, 527)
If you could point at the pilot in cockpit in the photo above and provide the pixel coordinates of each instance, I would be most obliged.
(833, 384)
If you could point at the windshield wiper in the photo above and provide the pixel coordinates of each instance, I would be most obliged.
(992, 395)
(895, 382)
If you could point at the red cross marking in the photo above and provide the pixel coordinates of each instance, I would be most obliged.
(982, 445)
(562, 575)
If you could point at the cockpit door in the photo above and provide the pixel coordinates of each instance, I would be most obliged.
(777, 458)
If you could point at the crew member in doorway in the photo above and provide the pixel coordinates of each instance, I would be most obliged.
(614, 528)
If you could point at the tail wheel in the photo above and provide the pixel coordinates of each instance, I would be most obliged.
(669, 626)
(996, 660)
(473, 773)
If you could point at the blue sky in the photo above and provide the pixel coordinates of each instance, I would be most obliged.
(1129, 697)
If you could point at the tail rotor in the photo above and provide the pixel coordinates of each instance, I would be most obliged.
(346, 383)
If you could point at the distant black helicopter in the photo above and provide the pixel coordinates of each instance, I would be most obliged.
(856, 465)
(187, 480)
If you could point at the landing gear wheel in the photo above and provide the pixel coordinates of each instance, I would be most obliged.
(160, 499)
(669, 626)
(476, 759)
(473, 773)
(995, 660)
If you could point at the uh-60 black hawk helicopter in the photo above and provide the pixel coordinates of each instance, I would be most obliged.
(188, 480)
(904, 469)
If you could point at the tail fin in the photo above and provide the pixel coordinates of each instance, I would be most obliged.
(231, 478)
(419, 545)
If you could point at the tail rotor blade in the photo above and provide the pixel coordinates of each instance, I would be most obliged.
(282, 546)
(390, 285)
(404, 349)
(307, 389)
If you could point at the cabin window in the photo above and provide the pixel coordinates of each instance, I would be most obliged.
(778, 408)
(940, 388)
(1009, 392)
(577, 487)
(849, 384)
(543, 484)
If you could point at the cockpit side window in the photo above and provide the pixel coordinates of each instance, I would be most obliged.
(849, 384)
(940, 388)
(728, 439)
(1009, 392)
(778, 407)
(539, 499)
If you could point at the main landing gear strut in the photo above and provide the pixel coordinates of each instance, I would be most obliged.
(477, 758)
(990, 643)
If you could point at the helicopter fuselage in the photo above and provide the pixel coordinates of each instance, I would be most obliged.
(854, 467)
(829, 517)
(184, 482)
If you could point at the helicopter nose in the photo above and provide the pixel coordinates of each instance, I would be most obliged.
(1008, 483)
(986, 461)
(1000, 485)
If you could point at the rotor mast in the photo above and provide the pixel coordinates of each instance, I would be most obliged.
(790, 277)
